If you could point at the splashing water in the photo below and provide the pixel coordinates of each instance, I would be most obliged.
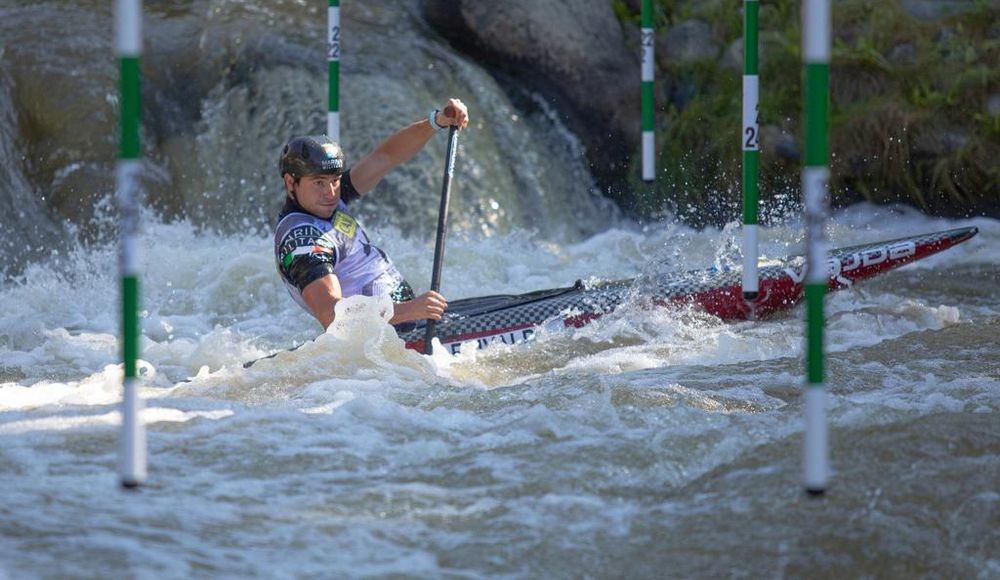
(644, 425)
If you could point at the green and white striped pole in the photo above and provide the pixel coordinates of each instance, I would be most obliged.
(751, 152)
(648, 140)
(815, 175)
(333, 64)
(128, 45)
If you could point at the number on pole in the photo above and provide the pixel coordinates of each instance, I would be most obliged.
(334, 50)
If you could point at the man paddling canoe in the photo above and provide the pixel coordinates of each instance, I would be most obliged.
(323, 253)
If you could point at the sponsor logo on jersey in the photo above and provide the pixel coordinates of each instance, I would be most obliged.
(305, 235)
(345, 224)
(303, 241)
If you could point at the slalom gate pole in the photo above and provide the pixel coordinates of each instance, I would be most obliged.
(128, 45)
(751, 151)
(815, 176)
(333, 65)
(648, 139)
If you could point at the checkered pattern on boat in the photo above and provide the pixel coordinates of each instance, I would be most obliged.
(573, 302)
(602, 298)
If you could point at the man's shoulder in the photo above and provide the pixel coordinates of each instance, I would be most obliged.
(303, 237)
(348, 193)
(297, 230)
(296, 221)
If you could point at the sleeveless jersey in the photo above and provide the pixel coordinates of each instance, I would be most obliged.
(308, 247)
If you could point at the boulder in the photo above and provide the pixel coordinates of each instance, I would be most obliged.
(572, 53)
(686, 42)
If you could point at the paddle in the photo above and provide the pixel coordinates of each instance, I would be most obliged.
(449, 169)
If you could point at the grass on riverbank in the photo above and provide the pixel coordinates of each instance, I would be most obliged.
(915, 109)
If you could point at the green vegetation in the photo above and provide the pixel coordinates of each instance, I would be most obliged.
(909, 117)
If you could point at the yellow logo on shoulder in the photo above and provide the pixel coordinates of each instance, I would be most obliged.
(345, 224)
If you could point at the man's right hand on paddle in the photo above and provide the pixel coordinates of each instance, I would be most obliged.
(454, 112)
(429, 305)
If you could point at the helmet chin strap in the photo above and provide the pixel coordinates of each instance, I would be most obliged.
(295, 196)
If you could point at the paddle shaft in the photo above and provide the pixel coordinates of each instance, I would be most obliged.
(449, 170)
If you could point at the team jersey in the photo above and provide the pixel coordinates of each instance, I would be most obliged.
(308, 247)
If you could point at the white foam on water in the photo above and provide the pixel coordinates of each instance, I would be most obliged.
(101, 388)
(148, 416)
(357, 440)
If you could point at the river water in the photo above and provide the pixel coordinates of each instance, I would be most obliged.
(649, 444)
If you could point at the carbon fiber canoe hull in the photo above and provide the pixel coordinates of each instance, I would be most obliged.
(477, 322)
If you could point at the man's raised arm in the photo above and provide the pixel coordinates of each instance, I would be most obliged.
(403, 145)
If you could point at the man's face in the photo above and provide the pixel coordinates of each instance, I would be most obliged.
(317, 194)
